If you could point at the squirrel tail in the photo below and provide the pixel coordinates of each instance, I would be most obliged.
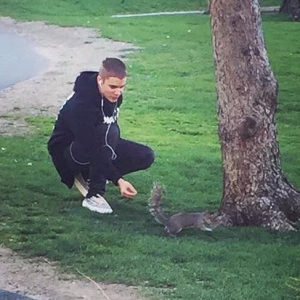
(155, 204)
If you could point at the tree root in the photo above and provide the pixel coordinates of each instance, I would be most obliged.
(263, 212)
(280, 224)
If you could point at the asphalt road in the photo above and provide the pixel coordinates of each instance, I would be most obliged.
(5, 295)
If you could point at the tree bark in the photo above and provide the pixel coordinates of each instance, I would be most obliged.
(255, 191)
(291, 7)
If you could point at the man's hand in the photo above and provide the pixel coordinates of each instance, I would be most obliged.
(126, 188)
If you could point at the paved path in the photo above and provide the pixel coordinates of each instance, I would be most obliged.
(270, 9)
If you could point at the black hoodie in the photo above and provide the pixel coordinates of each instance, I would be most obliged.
(80, 118)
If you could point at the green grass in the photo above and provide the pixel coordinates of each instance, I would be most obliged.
(170, 104)
(72, 11)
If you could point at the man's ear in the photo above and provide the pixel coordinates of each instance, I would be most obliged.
(100, 81)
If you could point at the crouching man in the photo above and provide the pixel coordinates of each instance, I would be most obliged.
(86, 147)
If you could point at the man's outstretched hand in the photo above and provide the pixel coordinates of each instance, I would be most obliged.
(126, 188)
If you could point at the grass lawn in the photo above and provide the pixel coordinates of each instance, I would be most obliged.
(62, 9)
(170, 104)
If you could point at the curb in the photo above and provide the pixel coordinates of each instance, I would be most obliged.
(270, 9)
(6, 295)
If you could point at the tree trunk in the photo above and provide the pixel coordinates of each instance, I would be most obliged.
(291, 7)
(255, 191)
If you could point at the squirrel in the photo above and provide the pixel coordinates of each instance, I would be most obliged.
(175, 223)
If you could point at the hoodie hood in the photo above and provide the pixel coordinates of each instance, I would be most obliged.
(86, 84)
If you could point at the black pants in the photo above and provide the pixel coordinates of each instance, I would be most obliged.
(127, 157)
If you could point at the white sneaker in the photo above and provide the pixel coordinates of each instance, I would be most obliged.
(97, 204)
(81, 184)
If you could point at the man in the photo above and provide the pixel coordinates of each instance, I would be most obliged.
(86, 147)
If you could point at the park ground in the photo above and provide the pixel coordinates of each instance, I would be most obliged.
(171, 105)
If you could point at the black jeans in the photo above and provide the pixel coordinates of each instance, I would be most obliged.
(129, 157)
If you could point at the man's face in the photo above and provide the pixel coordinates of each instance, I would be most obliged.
(112, 87)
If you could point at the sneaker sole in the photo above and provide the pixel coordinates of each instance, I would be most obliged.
(81, 185)
(99, 210)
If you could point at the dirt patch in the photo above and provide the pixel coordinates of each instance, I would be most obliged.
(69, 51)
(40, 280)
